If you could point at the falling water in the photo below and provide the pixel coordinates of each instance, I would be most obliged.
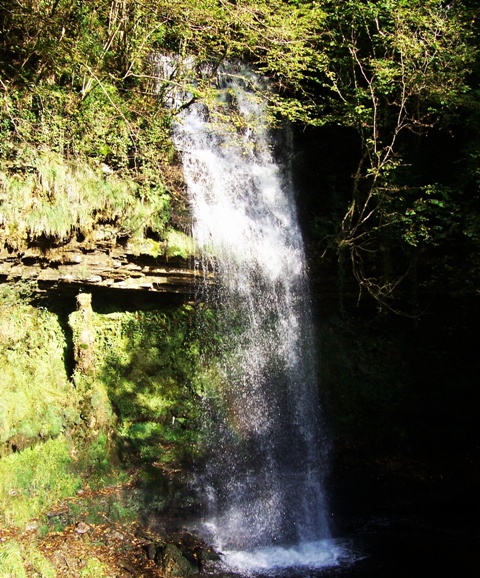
(263, 485)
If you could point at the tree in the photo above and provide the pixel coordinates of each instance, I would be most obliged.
(397, 69)
(392, 71)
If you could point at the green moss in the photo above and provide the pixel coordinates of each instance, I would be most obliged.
(33, 479)
(143, 360)
(52, 430)
(57, 198)
(179, 244)
(151, 365)
(11, 560)
(38, 401)
(139, 404)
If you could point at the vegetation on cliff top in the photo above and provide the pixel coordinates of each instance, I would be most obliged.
(86, 132)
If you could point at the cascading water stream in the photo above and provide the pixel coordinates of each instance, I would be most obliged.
(263, 485)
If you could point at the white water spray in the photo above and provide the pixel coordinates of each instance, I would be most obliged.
(263, 486)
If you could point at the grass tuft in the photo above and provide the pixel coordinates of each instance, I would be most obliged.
(33, 479)
(57, 198)
(11, 561)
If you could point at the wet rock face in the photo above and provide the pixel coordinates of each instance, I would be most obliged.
(173, 563)
(114, 267)
(183, 554)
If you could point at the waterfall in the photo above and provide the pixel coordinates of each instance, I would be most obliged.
(263, 484)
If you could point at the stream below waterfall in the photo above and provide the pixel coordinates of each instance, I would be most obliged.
(386, 546)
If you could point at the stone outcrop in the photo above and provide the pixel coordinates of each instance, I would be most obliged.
(83, 335)
(172, 563)
(116, 267)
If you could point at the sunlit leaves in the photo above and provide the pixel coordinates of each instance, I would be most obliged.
(279, 39)
(80, 79)
(397, 68)
(425, 216)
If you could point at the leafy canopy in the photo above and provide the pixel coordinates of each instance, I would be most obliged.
(79, 79)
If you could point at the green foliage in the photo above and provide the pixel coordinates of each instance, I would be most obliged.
(395, 70)
(58, 198)
(86, 139)
(278, 38)
(33, 479)
(151, 365)
(38, 401)
(11, 560)
(429, 216)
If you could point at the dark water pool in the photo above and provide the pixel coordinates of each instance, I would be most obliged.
(381, 548)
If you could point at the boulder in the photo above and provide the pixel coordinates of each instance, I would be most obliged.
(172, 562)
